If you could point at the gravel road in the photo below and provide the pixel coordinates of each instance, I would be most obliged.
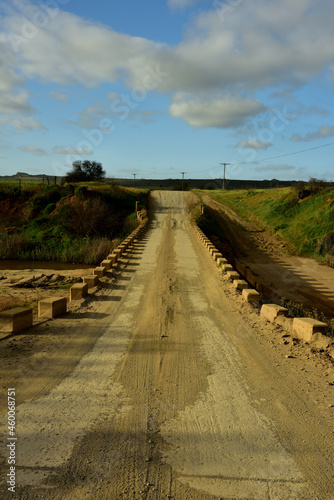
(169, 386)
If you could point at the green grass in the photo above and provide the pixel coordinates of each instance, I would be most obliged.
(71, 224)
(306, 224)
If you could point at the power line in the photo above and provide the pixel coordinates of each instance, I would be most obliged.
(285, 155)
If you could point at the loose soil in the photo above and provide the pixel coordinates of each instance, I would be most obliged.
(165, 384)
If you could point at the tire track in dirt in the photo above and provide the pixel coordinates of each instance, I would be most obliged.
(169, 401)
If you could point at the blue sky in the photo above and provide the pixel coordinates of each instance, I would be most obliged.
(156, 88)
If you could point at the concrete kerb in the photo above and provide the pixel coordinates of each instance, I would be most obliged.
(18, 318)
(78, 291)
(99, 271)
(52, 307)
(271, 311)
(233, 275)
(113, 258)
(240, 284)
(91, 280)
(305, 328)
(107, 263)
(251, 295)
(227, 267)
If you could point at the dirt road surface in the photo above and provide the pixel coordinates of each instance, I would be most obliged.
(167, 385)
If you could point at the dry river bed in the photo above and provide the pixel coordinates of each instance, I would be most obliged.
(164, 384)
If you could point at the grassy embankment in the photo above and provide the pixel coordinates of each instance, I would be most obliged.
(306, 224)
(72, 224)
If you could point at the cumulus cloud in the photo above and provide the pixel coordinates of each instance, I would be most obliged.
(13, 98)
(65, 150)
(254, 144)
(86, 53)
(259, 44)
(34, 150)
(222, 112)
(322, 133)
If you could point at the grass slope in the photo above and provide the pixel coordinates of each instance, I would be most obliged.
(307, 224)
(73, 223)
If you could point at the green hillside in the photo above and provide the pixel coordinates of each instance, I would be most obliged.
(72, 223)
(304, 218)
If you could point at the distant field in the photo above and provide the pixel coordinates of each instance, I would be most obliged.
(307, 224)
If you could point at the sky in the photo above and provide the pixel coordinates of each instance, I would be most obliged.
(154, 88)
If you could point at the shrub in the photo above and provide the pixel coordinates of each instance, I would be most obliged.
(81, 192)
(49, 209)
(86, 218)
(41, 200)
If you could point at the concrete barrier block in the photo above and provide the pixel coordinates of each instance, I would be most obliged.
(106, 263)
(99, 271)
(113, 258)
(240, 284)
(271, 311)
(221, 261)
(227, 267)
(91, 281)
(233, 275)
(52, 307)
(305, 328)
(78, 291)
(213, 249)
(18, 318)
(251, 295)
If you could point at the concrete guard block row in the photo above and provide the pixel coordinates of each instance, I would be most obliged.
(123, 247)
(301, 328)
(21, 318)
(248, 294)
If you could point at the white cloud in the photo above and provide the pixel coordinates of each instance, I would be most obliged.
(322, 133)
(222, 112)
(65, 150)
(34, 150)
(22, 124)
(258, 44)
(255, 45)
(254, 144)
(13, 99)
(71, 50)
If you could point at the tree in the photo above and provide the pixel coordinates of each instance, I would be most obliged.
(85, 171)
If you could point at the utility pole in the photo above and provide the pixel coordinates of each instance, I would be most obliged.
(224, 173)
(182, 178)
